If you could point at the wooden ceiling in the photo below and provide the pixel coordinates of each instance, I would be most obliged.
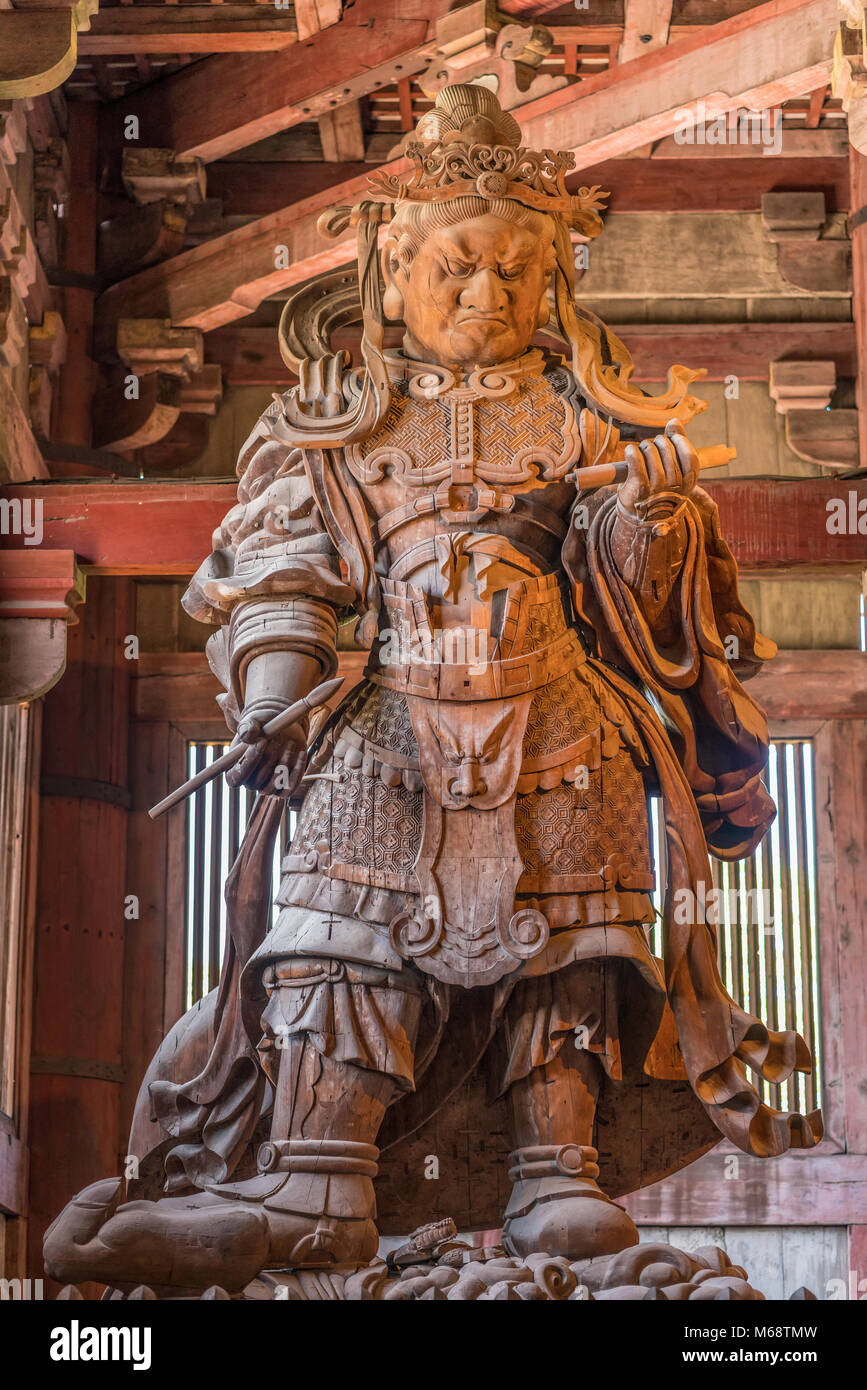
(133, 44)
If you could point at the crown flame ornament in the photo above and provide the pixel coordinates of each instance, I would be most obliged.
(467, 145)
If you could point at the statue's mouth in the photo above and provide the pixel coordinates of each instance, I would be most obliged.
(483, 318)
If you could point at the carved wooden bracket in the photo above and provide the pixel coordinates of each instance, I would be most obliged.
(51, 189)
(476, 42)
(18, 255)
(138, 237)
(802, 393)
(122, 421)
(39, 48)
(171, 380)
(826, 437)
(39, 593)
(13, 324)
(164, 189)
(795, 222)
(153, 345)
(156, 175)
(47, 355)
(849, 73)
(20, 456)
(13, 130)
(802, 385)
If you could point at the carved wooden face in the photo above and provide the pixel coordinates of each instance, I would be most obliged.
(474, 294)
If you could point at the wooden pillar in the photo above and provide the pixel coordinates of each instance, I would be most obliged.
(73, 399)
(77, 1023)
(841, 815)
(858, 229)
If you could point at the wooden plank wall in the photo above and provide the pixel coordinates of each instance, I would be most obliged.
(80, 924)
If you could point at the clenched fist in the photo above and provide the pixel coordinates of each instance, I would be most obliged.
(662, 470)
(274, 766)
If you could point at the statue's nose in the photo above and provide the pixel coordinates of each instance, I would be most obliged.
(468, 781)
(484, 292)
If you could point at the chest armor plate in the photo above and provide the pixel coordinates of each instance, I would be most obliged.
(459, 451)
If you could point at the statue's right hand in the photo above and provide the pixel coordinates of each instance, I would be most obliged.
(271, 765)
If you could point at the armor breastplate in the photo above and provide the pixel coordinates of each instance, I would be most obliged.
(491, 452)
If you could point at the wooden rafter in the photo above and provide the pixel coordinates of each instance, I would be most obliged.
(768, 54)
(252, 189)
(645, 27)
(142, 29)
(375, 45)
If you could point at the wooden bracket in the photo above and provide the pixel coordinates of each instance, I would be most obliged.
(849, 75)
(140, 236)
(47, 343)
(39, 47)
(173, 380)
(13, 130)
(121, 422)
(802, 393)
(826, 437)
(794, 223)
(154, 345)
(802, 385)
(154, 175)
(39, 592)
(13, 324)
(478, 41)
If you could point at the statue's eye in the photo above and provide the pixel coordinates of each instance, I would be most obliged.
(458, 269)
(511, 272)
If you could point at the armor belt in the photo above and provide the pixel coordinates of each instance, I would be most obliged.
(512, 665)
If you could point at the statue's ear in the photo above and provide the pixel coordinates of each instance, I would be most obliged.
(394, 276)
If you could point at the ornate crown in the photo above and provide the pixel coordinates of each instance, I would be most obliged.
(468, 145)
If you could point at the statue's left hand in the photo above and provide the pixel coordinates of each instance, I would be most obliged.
(662, 472)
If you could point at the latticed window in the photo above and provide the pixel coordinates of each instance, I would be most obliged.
(216, 818)
(765, 912)
(764, 907)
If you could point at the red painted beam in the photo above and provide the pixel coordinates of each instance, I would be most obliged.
(249, 356)
(702, 184)
(164, 528)
(711, 184)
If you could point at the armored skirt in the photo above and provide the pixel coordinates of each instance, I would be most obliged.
(473, 826)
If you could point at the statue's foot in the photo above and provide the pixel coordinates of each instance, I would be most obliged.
(313, 1215)
(557, 1206)
(176, 1242)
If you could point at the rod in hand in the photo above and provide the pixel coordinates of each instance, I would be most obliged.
(601, 474)
(305, 705)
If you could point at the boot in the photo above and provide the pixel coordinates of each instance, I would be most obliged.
(557, 1207)
(312, 1205)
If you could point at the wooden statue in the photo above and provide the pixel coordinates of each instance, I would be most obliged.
(465, 904)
